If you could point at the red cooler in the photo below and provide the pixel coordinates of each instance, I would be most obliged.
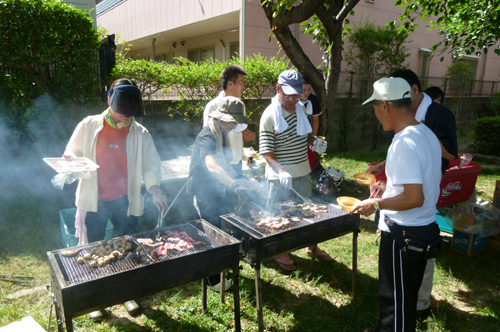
(456, 186)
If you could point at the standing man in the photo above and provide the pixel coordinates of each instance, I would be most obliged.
(285, 135)
(440, 120)
(313, 111)
(407, 207)
(233, 84)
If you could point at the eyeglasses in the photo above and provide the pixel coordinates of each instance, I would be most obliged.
(292, 97)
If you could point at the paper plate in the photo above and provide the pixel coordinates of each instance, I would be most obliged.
(71, 165)
(364, 178)
(346, 202)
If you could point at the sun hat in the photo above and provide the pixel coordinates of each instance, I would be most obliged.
(291, 82)
(390, 88)
(231, 109)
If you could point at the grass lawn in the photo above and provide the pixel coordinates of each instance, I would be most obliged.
(466, 288)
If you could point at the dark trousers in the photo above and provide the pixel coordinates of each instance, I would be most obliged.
(399, 282)
(115, 210)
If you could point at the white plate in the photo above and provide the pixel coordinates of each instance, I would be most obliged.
(77, 164)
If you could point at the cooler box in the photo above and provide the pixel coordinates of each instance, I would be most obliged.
(457, 185)
(68, 237)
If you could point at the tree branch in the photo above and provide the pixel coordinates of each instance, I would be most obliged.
(346, 10)
(298, 13)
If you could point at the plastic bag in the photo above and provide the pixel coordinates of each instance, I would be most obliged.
(67, 178)
(330, 181)
(477, 219)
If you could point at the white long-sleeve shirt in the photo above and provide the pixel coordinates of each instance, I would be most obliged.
(143, 162)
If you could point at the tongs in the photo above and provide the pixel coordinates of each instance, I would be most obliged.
(306, 200)
(160, 223)
(13, 278)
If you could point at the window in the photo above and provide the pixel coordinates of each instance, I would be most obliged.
(164, 57)
(234, 49)
(423, 66)
(471, 60)
(201, 54)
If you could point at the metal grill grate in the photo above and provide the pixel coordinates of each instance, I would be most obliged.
(77, 273)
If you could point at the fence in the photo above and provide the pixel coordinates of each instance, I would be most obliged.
(352, 84)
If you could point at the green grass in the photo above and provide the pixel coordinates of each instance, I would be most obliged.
(466, 287)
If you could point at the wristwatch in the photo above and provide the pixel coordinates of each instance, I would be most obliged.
(376, 205)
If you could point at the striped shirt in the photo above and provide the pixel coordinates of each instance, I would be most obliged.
(290, 149)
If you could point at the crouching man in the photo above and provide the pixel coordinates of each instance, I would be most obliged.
(410, 234)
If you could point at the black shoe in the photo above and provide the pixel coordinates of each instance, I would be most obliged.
(423, 314)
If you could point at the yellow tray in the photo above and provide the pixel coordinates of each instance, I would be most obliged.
(346, 202)
(364, 178)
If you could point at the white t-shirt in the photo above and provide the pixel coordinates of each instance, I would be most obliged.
(414, 157)
(234, 137)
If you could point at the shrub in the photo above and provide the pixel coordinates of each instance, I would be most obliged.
(487, 135)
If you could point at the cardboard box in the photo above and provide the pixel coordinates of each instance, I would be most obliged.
(468, 244)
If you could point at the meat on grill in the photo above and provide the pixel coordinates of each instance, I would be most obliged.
(179, 241)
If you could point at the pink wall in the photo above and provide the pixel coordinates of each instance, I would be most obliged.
(148, 17)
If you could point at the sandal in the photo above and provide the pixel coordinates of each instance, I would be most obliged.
(321, 255)
(284, 265)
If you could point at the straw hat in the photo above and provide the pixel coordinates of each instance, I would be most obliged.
(231, 109)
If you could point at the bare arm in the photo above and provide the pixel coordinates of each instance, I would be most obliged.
(218, 172)
(273, 162)
(376, 169)
(315, 125)
(248, 135)
(412, 197)
(445, 154)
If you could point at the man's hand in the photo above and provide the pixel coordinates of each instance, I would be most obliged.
(376, 169)
(378, 189)
(285, 179)
(365, 207)
(158, 199)
(248, 135)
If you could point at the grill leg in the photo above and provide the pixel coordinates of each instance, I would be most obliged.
(354, 261)
(222, 287)
(258, 294)
(236, 291)
(204, 294)
(69, 324)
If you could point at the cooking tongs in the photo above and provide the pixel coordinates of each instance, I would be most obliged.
(160, 223)
(306, 200)
(13, 278)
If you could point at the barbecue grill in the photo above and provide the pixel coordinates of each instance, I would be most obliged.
(79, 288)
(258, 244)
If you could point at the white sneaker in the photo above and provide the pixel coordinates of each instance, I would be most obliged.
(216, 288)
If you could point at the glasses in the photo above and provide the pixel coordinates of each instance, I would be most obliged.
(292, 97)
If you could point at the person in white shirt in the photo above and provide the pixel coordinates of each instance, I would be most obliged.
(407, 207)
(233, 85)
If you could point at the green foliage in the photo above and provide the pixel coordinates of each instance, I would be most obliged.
(460, 77)
(487, 135)
(375, 52)
(495, 103)
(196, 83)
(468, 26)
(58, 58)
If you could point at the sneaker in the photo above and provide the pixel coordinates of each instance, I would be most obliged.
(98, 314)
(132, 307)
(216, 288)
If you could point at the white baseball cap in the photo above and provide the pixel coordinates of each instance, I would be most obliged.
(390, 88)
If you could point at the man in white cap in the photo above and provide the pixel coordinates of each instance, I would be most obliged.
(408, 206)
(284, 137)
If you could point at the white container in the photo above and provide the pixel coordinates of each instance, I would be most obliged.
(71, 165)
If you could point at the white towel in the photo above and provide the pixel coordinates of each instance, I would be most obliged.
(80, 227)
(280, 125)
(422, 108)
(308, 105)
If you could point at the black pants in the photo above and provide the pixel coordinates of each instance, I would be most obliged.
(115, 210)
(399, 282)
